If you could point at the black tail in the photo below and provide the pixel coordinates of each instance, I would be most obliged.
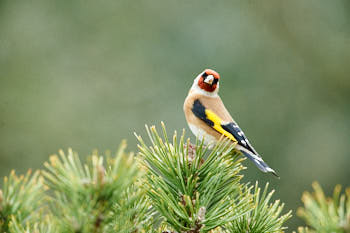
(258, 161)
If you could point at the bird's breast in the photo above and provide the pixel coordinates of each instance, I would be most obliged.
(202, 135)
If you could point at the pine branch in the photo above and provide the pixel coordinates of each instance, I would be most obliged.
(171, 187)
(305, 230)
(20, 198)
(43, 224)
(265, 217)
(85, 194)
(133, 213)
(193, 192)
(324, 214)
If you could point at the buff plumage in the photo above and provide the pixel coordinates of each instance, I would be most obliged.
(209, 119)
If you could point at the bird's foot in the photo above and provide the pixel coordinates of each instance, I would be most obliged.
(191, 152)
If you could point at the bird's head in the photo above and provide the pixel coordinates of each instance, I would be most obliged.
(207, 81)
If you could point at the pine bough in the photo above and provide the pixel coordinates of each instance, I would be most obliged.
(170, 186)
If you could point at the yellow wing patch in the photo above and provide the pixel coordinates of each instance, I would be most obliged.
(217, 124)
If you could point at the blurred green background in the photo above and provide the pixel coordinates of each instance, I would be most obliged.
(86, 74)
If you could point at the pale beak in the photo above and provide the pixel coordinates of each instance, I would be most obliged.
(209, 79)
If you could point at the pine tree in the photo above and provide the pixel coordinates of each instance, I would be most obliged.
(172, 185)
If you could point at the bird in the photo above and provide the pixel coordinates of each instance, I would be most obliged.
(208, 118)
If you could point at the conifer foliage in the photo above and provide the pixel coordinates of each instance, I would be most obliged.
(193, 192)
(197, 190)
(325, 214)
(20, 199)
(172, 185)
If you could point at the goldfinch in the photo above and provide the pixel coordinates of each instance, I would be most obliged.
(208, 118)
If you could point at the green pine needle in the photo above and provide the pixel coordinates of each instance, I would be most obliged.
(173, 186)
(195, 191)
(265, 217)
(84, 194)
(20, 198)
(324, 214)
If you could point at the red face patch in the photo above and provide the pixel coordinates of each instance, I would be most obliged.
(206, 86)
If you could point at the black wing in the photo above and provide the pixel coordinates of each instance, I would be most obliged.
(199, 111)
(232, 131)
(242, 140)
(231, 128)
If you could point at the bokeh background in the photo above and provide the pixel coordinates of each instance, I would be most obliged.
(86, 74)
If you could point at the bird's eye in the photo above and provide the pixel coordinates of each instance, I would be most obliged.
(204, 75)
(216, 80)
